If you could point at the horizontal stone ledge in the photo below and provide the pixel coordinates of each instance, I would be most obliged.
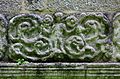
(60, 69)
(60, 64)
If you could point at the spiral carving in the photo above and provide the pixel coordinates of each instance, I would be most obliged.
(95, 33)
(25, 34)
(74, 47)
(24, 26)
(47, 25)
(43, 37)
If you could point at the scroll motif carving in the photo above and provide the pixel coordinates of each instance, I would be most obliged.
(43, 37)
(96, 36)
(23, 33)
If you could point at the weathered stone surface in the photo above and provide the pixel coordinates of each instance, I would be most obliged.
(66, 70)
(23, 33)
(73, 5)
(48, 33)
(116, 36)
(59, 31)
(12, 7)
(3, 33)
(43, 37)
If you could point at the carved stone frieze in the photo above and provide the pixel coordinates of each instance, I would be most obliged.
(59, 37)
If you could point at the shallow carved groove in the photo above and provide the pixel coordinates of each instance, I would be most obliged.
(23, 34)
(96, 36)
(59, 37)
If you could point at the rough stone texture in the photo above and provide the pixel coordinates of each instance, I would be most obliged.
(64, 70)
(60, 37)
(11, 7)
(73, 5)
(72, 31)
(3, 34)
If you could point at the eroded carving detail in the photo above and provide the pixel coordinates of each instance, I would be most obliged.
(40, 37)
(116, 37)
(96, 36)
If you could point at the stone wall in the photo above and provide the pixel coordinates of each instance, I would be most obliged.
(61, 37)
(47, 37)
